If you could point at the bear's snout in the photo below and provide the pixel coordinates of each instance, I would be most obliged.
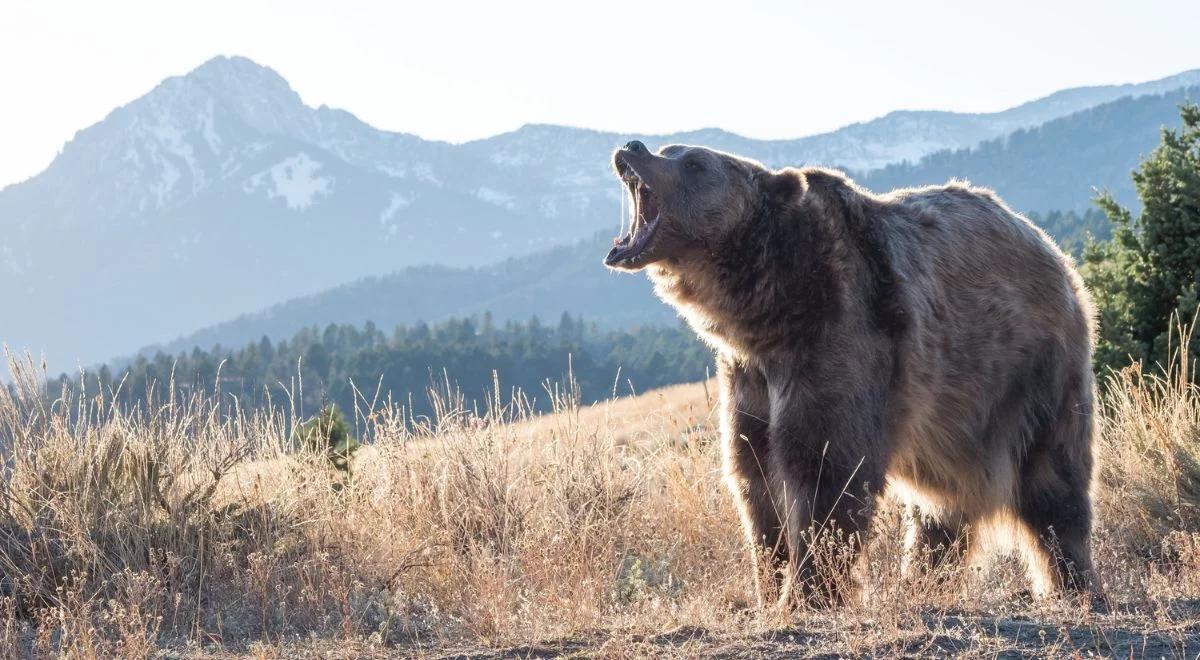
(635, 146)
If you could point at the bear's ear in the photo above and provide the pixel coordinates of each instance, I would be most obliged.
(782, 186)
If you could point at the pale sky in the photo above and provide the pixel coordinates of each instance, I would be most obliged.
(458, 71)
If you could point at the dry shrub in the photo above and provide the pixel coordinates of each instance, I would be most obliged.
(1148, 486)
(195, 524)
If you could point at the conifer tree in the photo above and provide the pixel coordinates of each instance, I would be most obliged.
(1149, 273)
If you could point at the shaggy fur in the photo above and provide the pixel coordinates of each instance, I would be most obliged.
(927, 342)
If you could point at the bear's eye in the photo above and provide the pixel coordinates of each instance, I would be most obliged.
(694, 166)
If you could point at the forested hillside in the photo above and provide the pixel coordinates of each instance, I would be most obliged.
(568, 279)
(1058, 165)
(317, 366)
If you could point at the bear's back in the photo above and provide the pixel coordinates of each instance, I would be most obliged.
(965, 253)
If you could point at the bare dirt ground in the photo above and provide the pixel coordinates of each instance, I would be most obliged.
(945, 635)
(1173, 634)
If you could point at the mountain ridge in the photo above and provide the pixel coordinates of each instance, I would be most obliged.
(570, 279)
(220, 191)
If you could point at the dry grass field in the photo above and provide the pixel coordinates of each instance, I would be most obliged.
(598, 531)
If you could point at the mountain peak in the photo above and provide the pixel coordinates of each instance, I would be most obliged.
(256, 93)
(232, 62)
(237, 73)
(211, 107)
(172, 143)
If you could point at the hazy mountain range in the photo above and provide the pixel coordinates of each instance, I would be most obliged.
(219, 193)
(546, 284)
(1059, 165)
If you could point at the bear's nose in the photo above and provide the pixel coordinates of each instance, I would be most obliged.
(635, 146)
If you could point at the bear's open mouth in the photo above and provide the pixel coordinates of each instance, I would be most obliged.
(627, 249)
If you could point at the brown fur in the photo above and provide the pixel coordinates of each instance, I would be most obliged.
(929, 342)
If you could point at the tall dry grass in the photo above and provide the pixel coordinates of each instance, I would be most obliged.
(198, 526)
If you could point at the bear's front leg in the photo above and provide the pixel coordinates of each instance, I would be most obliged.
(745, 411)
(828, 455)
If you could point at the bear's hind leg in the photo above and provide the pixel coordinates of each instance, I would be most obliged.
(1057, 520)
(1053, 499)
(934, 542)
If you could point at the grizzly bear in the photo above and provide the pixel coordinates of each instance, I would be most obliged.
(929, 343)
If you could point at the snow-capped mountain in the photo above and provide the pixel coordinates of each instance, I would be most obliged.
(220, 192)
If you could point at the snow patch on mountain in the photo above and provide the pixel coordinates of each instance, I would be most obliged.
(175, 144)
(578, 179)
(510, 158)
(393, 171)
(236, 159)
(295, 180)
(424, 172)
(207, 125)
(168, 177)
(10, 261)
(419, 171)
(499, 198)
(395, 204)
